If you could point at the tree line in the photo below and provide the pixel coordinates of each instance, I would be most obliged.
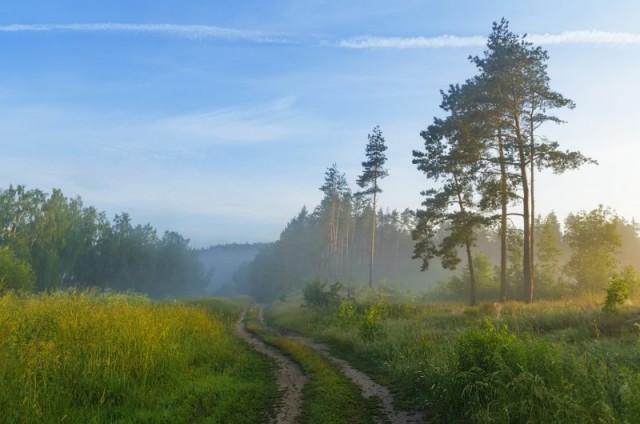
(581, 258)
(49, 241)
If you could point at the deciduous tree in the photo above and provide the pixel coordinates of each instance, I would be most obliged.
(595, 243)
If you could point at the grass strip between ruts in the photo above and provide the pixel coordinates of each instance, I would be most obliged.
(329, 397)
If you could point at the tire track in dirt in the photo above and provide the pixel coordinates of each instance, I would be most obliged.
(367, 385)
(289, 376)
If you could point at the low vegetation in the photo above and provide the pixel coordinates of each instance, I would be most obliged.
(561, 361)
(329, 397)
(91, 357)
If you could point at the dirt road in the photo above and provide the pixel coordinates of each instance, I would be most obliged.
(290, 374)
(289, 377)
(367, 385)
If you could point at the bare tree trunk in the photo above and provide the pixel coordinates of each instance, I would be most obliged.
(467, 244)
(532, 219)
(373, 239)
(472, 277)
(526, 251)
(504, 199)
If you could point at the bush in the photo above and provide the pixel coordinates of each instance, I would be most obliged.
(371, 327)
(497, 376)
(15, 274)
(318, 296)
(617, 291)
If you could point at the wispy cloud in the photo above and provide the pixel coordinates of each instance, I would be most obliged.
(269, 121)
(568, 37)
(62, 132)
(372, 42)
(187, 31)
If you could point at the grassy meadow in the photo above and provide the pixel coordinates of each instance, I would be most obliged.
(90, 357)
(562, 361)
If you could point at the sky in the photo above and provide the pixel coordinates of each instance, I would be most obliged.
(218, 119)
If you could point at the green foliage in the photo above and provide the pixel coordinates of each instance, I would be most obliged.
(485, 151)
(83, 357)
(617, 291)
(15, 274)
(347, 314)
(373, 167)
(545, 362)
(450, 156)
(371, 327)
(69, 245)
(549, 277)
(594, 241)
(317, 295)
(457, 286)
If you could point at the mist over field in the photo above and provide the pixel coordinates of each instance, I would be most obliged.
(319, 212)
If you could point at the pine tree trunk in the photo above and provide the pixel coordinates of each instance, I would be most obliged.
(467, 244)
(532, 162)
(373, 240)
(526, 251)
(504, 199)
(472, 277)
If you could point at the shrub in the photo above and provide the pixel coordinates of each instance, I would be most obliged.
(371, 324)
(347, 314)
(496, 376)
(15, 274)
(317, 295)
(617, 292)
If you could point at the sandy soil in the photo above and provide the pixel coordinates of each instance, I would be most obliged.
(367, 385)
(289, 377)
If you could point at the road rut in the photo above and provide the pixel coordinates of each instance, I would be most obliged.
(367, 385)
(289, 377)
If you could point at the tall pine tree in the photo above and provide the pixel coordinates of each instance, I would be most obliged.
(372, 173)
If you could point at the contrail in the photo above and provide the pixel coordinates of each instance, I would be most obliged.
(187, 31)
(371, 42)
(591, 37)
(587, 37)
(441, 41)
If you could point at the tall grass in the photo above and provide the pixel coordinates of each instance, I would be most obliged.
(94, 358)
(547, 362)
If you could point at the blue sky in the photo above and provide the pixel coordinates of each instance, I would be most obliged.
(218, 119)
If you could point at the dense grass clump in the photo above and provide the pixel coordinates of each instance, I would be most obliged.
(564, 361)
(96, 358)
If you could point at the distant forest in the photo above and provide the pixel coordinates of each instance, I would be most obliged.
(49, 241)
(222, 261)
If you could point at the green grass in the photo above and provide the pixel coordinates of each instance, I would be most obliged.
(101, 358)
(329, 397)
(562, 361)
